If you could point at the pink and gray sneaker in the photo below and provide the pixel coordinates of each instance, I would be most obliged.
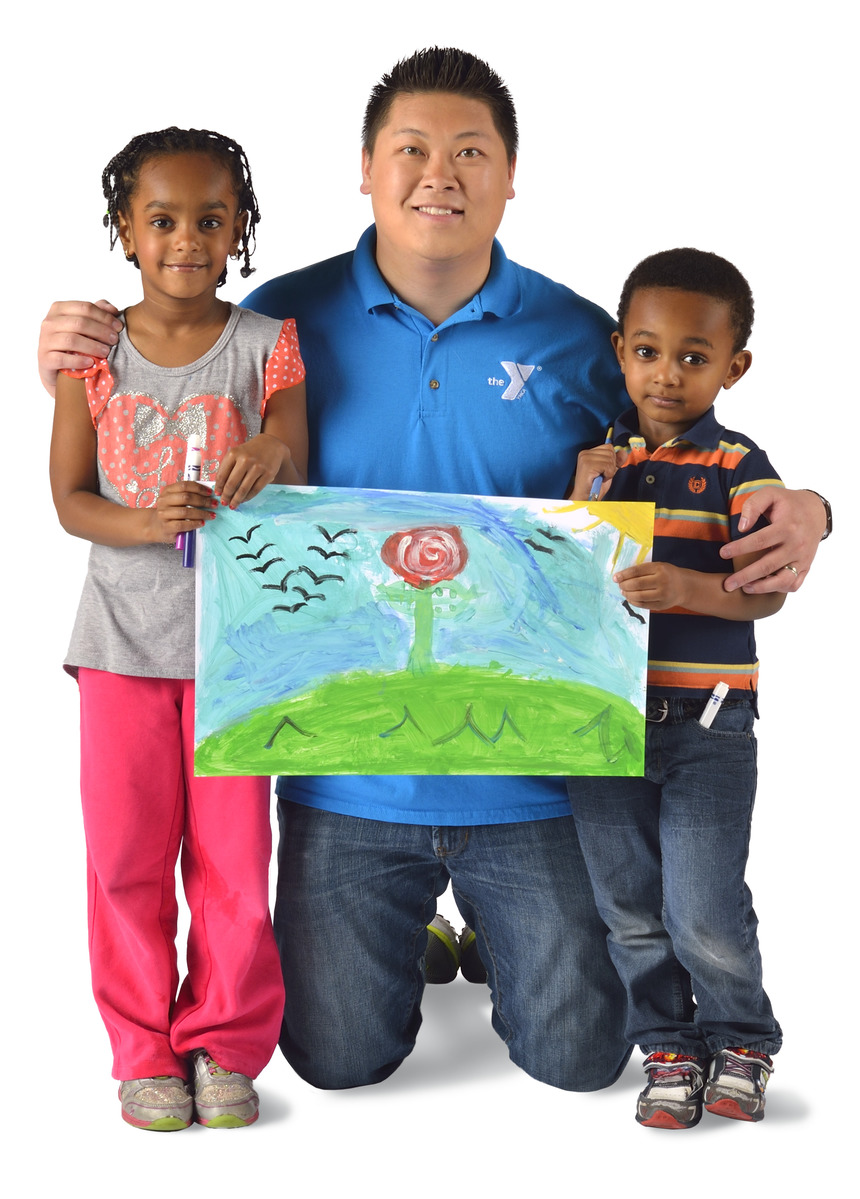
(160, 1104)
(222, 1099)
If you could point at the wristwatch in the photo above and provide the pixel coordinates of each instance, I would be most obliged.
(828, 512)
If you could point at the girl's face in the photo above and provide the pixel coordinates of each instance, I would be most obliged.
(182, 225)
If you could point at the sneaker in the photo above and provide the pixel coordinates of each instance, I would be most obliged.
(160, 1104)
(442, 956)
(736, 1084)
(471, 966)
(222, 1099)
(673, 1096)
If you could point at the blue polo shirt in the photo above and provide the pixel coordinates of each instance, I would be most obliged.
(698, 482)
(497, 400)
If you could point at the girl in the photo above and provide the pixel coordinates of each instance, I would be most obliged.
(187, 366)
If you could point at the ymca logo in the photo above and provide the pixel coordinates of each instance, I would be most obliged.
(517, 374)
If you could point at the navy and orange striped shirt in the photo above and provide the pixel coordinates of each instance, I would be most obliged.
(698, 482)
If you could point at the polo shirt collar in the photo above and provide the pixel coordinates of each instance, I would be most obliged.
(500, 294)
(374, 291)
(706, 432)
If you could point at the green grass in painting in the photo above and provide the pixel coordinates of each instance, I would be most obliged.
(470, 721)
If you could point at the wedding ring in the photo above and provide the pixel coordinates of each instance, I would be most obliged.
(793, 569)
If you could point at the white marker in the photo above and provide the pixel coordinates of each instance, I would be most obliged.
(193, 464)
(717, 696)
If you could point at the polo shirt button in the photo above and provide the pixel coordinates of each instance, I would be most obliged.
(434, 384)
(435, 337)
(650, 479)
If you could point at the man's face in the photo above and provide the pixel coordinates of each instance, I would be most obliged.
(438, 179)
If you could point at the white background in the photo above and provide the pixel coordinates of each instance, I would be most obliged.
(730, 127)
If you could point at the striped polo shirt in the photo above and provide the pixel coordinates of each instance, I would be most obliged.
(698, 483)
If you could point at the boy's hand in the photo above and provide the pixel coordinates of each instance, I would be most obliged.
(247, 469)
(655, 585)
(182, 507)
(73, 335)
(600, 460)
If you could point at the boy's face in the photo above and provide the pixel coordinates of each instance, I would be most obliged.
(676, 353)
(438, 177)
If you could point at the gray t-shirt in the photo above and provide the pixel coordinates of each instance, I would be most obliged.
(136, 613)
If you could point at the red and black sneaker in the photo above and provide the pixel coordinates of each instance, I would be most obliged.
(673, 1096)
(736, 1084)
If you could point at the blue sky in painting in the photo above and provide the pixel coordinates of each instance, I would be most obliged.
(286, 605)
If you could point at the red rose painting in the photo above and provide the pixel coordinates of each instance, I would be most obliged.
(425, 557)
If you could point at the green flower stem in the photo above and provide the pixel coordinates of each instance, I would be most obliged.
(421, 655)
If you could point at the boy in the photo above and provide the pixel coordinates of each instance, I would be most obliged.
(666, 853)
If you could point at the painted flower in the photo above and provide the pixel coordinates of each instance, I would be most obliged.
(425, 557)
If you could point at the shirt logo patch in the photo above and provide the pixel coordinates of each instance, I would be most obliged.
(698, 485)
(518, 375)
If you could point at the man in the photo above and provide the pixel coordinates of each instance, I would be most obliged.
(434, 363)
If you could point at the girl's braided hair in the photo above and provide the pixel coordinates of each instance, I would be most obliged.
(120, 177)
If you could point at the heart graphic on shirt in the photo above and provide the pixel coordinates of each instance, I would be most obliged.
(142, 447)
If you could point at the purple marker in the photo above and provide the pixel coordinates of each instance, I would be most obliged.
(188, 548)
(193, 465)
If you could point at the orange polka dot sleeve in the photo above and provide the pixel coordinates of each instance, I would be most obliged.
(284, 367)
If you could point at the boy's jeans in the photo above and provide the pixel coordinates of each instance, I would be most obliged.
(666, 855)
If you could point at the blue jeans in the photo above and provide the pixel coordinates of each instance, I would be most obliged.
(354, 900)
(666, 855)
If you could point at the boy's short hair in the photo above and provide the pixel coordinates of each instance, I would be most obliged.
(698, 271)
(442, 70)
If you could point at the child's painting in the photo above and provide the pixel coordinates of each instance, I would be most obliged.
(373, 632)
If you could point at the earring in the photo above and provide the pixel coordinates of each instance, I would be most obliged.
(129, 256)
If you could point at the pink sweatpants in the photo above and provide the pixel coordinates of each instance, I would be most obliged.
(142, 802)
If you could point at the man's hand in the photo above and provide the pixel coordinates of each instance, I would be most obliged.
(797, 524)
(73, 335)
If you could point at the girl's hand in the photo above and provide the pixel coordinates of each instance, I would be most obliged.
(182, 507)
(246, 470)
(655, 585)
(600, 460)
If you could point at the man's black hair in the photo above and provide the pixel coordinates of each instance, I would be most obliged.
(697, 271)
(442, 70)
(120, 178)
